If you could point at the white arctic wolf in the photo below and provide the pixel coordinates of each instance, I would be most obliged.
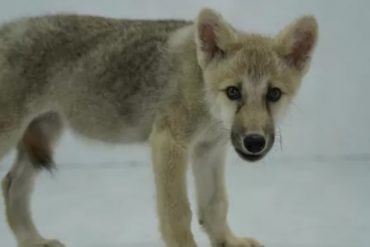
(191, 88)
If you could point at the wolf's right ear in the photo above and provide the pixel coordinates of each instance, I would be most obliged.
(213, 36)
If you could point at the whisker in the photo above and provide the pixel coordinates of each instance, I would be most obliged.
(296, 106)
(279, 138)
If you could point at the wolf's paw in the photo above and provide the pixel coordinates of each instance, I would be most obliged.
(239, 242)
(43, 243)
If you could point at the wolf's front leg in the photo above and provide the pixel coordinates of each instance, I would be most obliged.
(208, 168)
(170, 161)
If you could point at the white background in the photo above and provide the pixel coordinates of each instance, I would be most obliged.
(312, 190)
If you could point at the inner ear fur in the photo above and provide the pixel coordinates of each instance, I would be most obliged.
(213, 35)
(297, 41)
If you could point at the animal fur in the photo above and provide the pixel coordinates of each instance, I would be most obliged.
(124, 81)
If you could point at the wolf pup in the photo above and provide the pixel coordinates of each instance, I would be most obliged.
(189, 88)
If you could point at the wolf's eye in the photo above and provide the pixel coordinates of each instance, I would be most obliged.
(233, 93)
(273, 94)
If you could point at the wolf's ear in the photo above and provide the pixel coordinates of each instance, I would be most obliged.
(213, 36)
(296, 42)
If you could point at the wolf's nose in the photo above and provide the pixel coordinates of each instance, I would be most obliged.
(254, 143)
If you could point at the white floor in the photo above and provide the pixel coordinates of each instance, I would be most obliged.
(282, 204)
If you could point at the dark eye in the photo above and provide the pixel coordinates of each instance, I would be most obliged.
(233, 93)
(273, 94)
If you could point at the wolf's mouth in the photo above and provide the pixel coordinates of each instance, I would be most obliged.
(249, 157)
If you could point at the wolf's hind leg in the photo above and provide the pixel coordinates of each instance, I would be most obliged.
(34, 153)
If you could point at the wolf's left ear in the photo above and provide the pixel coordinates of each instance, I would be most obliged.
(296, 42)
(213, 36)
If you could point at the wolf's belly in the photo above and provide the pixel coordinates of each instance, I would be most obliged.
(111, 131)
(110, 121)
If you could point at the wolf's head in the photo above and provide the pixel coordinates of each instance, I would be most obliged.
(250, 79)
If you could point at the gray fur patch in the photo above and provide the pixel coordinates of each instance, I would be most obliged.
(41, 159)
(7, 184)
(38, 139)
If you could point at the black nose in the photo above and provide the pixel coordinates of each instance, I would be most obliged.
(254, 143)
